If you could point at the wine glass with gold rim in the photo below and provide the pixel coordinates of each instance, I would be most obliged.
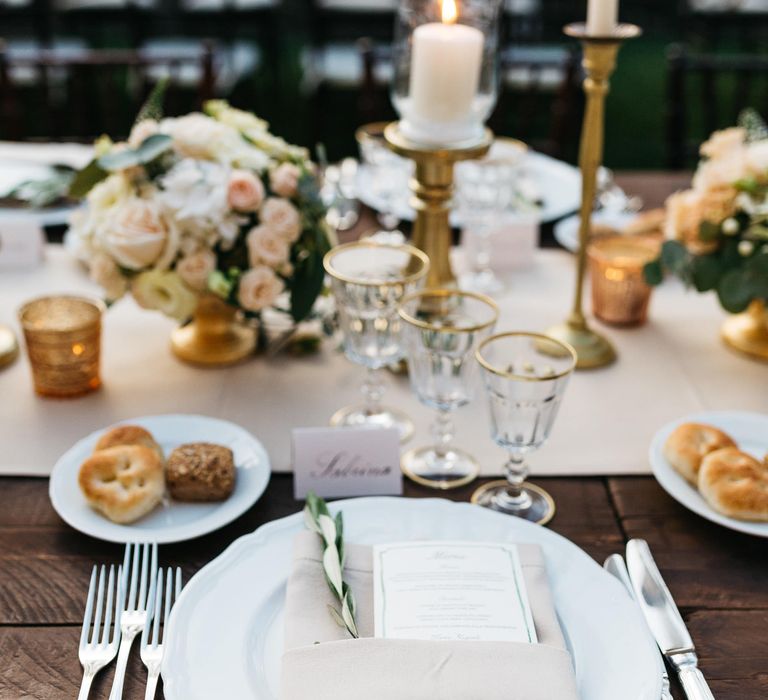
(525, 377)
(369, 280)
(443, 327)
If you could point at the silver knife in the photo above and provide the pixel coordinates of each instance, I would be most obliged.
(617, 567)
(664, 620)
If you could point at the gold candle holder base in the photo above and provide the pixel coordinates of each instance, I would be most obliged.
(214, 338)
(592, 349)
(432, 188)
(600, 54)
(748, 332)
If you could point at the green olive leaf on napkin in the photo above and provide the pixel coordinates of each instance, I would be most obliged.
(318, 519)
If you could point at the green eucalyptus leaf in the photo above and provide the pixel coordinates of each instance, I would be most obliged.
(152, 147)
(734, 291)
(86, 179)
(674, 256)
(653, 273)
(309, 275)
(706, 272)
(119, 160)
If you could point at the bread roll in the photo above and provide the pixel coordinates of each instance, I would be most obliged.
(201, 471)
(128, 435)
(735, 484)
(124, 482)
(690, 443)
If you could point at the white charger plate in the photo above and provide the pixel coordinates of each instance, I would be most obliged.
(225, 636)
(749, 430)
(172, 521)
(558, 184)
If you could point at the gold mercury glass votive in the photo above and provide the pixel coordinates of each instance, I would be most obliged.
(620, 295)
(63, 338)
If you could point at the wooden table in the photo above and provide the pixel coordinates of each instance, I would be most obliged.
(718, 577)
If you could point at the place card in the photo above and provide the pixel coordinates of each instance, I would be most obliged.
(22, 242)
(451, 591)
(343, 462)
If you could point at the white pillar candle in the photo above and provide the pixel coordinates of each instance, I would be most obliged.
(602, 17)
(445, 70)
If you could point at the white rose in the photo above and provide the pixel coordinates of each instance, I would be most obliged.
(265, 245)
(757, 158)
(105, 272)
(142, 131)
(195, 135)
(284, 180)
(259, 288)
(137, 233)
(724, 172)
(282, 217)
(194, 269)
(164, 291)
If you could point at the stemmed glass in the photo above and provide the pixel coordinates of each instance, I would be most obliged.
(369, 280)
(525, 376)
(442, 329)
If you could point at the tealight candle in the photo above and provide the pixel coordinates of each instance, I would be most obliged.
(445, 70)
(602, 17)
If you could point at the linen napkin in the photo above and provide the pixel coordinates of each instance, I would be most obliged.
(321, 662)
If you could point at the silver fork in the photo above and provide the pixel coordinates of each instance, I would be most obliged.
(138, 587)
(152, 645)
(97, 651)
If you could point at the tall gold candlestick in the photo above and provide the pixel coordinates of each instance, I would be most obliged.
(600, 53)
(432, 189)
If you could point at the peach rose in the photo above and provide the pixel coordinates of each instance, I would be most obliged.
(105, 272)
(245, 192)
(142, 131)
(685, 212)
(282, 217)
(723, 143)
(284, 180)
(194, 269)
(259, 288)
(136, 233)
(266, 246)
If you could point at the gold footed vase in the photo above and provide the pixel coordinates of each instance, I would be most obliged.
(215, 337)
(748, 332)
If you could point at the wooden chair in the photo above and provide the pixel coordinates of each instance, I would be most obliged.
(99, 91)
(706, 92)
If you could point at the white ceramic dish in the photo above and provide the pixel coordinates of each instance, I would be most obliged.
(567, 231)
(749, 430)
(556, 182)
(172, 521)
(12, 174)
(226, 630)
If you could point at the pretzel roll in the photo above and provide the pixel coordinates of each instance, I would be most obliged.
(124, 482)
(128, 435)
(735, 483)
(690, 443)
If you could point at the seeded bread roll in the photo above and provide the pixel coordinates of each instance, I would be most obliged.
(735, 483)
(690, 443)
(200, 471)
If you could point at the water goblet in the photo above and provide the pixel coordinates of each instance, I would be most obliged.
(368, 281)
(442, 330)
(525, 376)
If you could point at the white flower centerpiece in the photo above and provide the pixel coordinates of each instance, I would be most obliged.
(207, 215)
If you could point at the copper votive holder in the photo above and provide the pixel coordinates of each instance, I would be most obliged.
(620, 295)
(63, 338)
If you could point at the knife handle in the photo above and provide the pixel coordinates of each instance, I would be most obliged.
(694, 685)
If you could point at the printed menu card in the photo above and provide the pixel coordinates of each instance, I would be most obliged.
(451, 591)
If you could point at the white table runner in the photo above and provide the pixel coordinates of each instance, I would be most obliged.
(672, 366)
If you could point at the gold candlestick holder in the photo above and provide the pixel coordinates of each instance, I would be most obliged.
(599, 62)
(432, 188)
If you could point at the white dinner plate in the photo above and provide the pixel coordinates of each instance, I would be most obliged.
(567, 231)
(226, 631)
(749, 430)
(172, 521)
(558, 184)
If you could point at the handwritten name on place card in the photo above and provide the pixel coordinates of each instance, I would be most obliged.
(342, 462)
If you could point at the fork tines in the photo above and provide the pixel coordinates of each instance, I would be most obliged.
(144, 556)
(90, 633)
